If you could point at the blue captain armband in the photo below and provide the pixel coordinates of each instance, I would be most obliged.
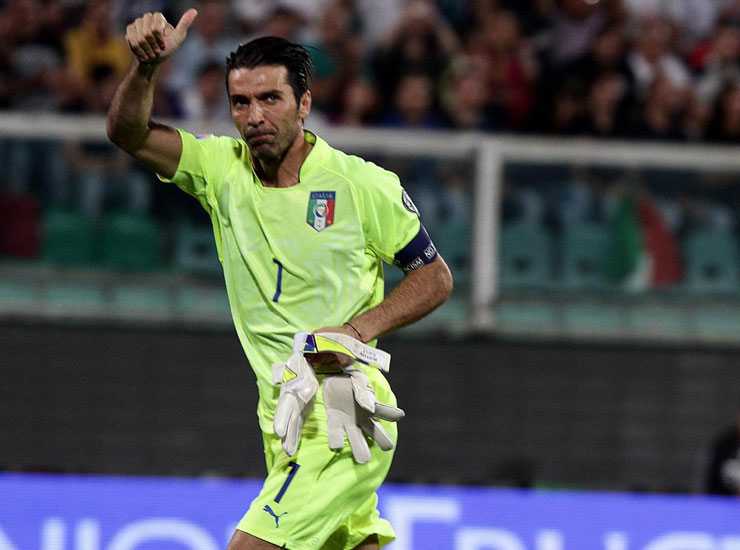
(419, 252)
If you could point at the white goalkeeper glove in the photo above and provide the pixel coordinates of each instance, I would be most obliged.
(298, 385)
(349, 398)
(351, 409)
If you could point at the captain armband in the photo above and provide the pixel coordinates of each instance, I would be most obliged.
(419, 252)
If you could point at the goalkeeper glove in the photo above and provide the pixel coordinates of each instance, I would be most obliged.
(298, 385)
(351, 408)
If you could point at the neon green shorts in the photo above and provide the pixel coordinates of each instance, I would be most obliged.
(320, 499)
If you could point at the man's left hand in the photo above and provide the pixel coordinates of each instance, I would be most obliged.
(327, 362)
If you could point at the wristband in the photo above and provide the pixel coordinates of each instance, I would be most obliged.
(350, 325)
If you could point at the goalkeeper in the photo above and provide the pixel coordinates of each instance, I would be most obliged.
(302, 231)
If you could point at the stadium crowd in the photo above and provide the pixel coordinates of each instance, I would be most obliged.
(636, 69)
(625, 69)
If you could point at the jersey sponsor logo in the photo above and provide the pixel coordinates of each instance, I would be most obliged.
(408, 204)
(320, 213)
(275, 516)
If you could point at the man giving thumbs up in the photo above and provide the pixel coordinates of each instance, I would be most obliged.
(152, 39)
(302, 230)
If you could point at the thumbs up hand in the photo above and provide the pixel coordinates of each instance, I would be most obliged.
(152, 39)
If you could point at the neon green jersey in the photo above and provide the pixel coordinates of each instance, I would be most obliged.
(301, 257)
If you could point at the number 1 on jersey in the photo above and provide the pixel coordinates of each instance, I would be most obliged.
(279, 287)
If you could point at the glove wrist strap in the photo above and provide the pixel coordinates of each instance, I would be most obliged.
(342, 343)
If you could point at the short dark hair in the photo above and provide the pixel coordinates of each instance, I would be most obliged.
(272, 50)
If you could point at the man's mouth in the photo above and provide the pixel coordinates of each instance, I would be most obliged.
(257, 139)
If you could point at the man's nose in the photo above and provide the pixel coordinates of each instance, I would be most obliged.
(255, 115)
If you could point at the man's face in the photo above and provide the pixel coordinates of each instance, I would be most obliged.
(264, 110)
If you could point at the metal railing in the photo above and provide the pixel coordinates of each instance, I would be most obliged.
(487, 154)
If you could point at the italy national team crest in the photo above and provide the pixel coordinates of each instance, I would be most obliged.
(321, 209)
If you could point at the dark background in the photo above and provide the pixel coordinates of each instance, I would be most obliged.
(141, 400)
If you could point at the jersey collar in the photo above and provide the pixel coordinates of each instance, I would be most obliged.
(316, 156)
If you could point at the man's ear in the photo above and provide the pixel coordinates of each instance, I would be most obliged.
(304, 106)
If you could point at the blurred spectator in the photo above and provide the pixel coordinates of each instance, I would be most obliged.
(124, 12)
(606, 116)
(94, 46)
(465, 99)
(723, 471)
(534, 17)
(719, 61)
(206, 101)
(724, 126)
(32, 77)
(574, 26)
(422, 42)
(33, 52)
(414, 104)
(284, 21)
(696, 18)
(102, 173)
(359, 104)
(654, 70)
(8, 77)
(337, 59)
(653, 56)
(208, 41)
(697, 119)
(379, 18)
(564, 114)
(508, 63)
(608, 54)
(251, 13)
(255, 16)
(730, 11)
(564, 67)
(563, 95)
(662, 117)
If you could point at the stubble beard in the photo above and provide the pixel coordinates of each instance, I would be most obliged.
(274, 154)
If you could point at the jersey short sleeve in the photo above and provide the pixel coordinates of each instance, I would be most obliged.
(202, 164)
(390, 218)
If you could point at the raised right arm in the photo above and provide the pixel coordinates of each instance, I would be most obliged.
(129, 125)
(152, 40)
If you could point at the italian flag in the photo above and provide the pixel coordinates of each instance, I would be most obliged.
(644, 252)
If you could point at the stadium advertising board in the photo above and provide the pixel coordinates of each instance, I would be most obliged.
(40, 512)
